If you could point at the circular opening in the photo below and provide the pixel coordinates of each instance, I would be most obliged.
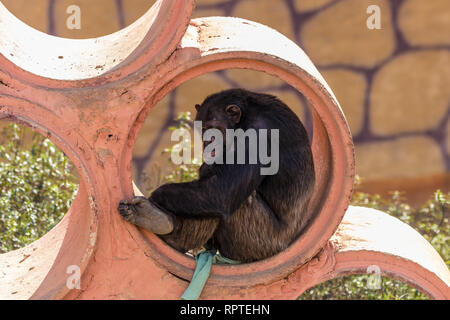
(156, 33)
(289, 259)
(363, 287)
(38, 184)
(40, 269)
(214, 44)
(152, 161)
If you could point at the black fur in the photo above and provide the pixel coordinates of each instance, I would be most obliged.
(245, 215)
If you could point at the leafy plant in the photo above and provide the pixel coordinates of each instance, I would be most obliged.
(182, 172)
(36, 187)
(177, 173)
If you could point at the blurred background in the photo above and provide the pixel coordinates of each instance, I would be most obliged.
(393, 83)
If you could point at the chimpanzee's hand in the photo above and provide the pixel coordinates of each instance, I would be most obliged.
(143, 213)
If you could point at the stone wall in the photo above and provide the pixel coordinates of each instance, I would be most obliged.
(393, 83)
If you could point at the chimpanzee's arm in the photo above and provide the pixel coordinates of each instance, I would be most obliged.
(216, 195)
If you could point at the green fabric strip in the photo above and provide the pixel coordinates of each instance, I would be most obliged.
(204, 261)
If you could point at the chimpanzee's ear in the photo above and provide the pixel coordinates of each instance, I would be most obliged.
(234, 112)
(197, 107)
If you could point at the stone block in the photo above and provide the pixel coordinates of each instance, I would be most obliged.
(400, 158)
(274, 14)
(339, 35)
(309, 5)
(253, 80)
(411, 93)
(134, 9)
(196, 90)
(425, 22)
(35, 15)
(350, 90)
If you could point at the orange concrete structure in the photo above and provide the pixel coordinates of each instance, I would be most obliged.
(91, 96)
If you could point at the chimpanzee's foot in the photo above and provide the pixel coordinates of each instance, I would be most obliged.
(143, 213)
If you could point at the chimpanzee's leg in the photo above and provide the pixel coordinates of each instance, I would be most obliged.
(187, 214)
(191, 234)
(147, 215)
(181, 233)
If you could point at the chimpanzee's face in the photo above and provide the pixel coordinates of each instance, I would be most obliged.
(220, 111)
(221, 115)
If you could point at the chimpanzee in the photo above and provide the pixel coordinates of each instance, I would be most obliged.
(243, 213)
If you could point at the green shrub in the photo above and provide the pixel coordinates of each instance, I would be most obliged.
(182, 172)
(36, 187)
